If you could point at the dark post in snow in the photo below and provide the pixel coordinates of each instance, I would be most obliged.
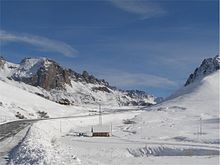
(60, 127)
(200, 126)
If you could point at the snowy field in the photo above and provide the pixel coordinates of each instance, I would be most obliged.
(182, 130)
(54, 142)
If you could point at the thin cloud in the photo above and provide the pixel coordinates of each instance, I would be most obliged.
(126, 79)
(145, 9)
(41, 42)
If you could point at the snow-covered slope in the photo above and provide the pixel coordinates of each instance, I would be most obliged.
(16, 101)
(181, 115)
(200, 97)
(48, 79)
(200, 94)
(207, 67)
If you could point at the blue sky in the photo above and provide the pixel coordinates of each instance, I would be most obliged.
(133, 44)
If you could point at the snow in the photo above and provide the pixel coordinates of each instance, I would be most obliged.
(167, 133)
(30, 66)
(101, 128)
(8, 69)
(198, 96)
(14, 99)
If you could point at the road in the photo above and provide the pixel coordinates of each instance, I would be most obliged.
(10, 135)
(12, 128)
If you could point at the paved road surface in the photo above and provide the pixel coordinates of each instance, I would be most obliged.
(12, 128)
(10, 135)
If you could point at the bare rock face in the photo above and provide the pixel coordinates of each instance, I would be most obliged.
(103, 89)
(42, 72)
(51, 77)
(207, 67)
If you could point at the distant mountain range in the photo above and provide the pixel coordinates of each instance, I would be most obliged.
(48, 79)
(35, 86)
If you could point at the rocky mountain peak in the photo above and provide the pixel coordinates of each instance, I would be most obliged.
(49, 75)
(30, 66)
(42, 72)
(207, 67)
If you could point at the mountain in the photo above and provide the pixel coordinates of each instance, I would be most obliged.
(208, 66)
(48, 79)
(199, 98)
(190, 115)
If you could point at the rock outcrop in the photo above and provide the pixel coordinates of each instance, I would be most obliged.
(207, 67)
(42, 72)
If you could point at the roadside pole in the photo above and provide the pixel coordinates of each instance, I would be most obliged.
(60, 127)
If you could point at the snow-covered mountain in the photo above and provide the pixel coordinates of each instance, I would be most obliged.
(208, 66)
(191, 114)
(48, 79)
(198, 98)
(198, 81)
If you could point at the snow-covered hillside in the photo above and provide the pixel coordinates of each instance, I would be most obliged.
(180, 115)
(200, 97)
(17, 101)
(184, 129)
(48, 79)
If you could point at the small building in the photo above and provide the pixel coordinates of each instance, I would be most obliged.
(101, 131)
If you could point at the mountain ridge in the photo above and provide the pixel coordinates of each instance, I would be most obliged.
(208, 66)
(66, 86)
